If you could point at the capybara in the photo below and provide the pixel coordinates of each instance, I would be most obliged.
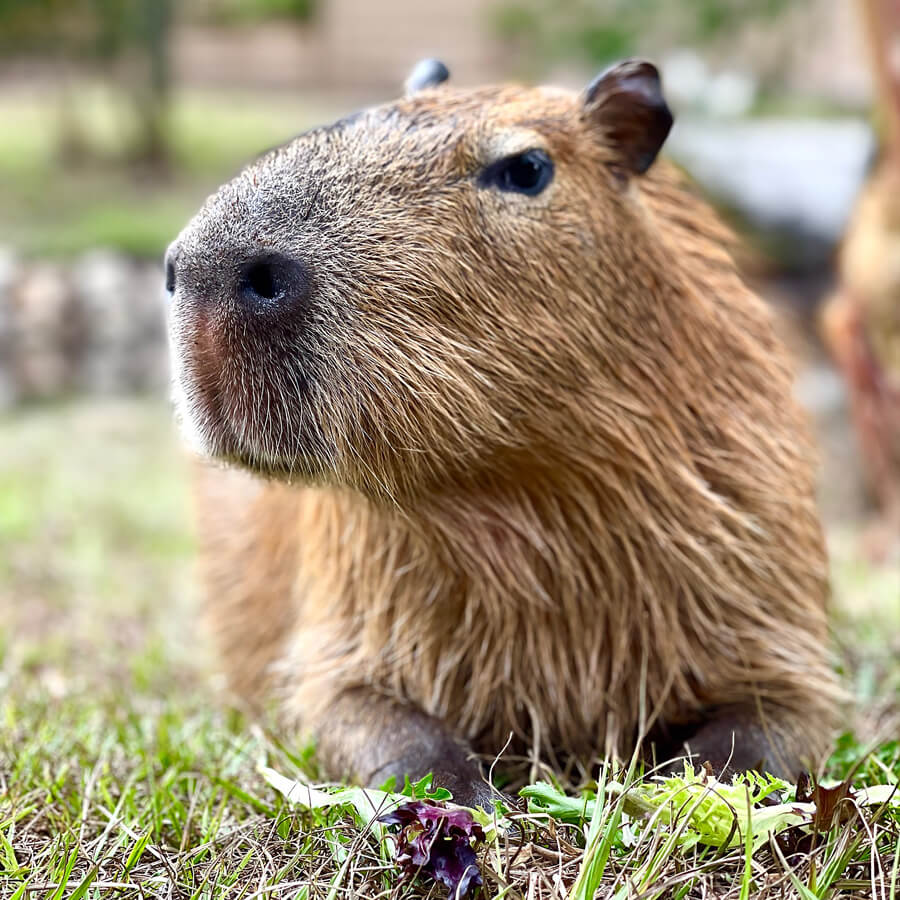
(502, 444)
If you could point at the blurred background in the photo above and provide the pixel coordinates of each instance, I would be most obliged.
(118, 117)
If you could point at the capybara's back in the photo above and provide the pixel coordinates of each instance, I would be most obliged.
(519, 449)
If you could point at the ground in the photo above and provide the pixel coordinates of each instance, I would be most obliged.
(124, 770)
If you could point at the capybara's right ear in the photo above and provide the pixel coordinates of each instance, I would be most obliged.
(627, 105)
(426, 73)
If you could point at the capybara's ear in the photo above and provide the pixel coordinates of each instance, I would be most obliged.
(626, 103)
(426, 73)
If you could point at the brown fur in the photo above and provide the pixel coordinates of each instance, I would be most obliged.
(536, 465)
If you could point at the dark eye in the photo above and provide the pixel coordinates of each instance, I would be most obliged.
(526, 173)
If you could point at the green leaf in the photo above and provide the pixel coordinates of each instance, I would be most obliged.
(137, 850)
(544, 798)
(85, 883)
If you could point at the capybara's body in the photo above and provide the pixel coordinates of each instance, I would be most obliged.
(523, 457)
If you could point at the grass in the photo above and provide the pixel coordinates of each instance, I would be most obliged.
(125, 773)
(55, 209)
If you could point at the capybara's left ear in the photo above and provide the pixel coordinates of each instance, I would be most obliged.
(427, 73)
(627, 106)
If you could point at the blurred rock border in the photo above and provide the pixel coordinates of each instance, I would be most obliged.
(92, 325)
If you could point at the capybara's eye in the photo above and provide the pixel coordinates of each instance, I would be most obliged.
(525, 173)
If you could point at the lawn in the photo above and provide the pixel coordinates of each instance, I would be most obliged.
(124, 771)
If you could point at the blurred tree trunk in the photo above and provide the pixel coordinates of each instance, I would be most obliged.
(73, 145)
(862, 321)
(152, 93)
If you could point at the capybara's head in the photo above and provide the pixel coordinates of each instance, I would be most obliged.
(421, 290)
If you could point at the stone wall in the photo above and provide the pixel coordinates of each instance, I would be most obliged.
(91, 325)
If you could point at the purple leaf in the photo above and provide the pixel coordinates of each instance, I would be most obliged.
(438, 843)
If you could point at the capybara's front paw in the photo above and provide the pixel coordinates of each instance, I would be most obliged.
(739, 740)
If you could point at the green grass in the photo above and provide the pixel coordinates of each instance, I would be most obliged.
(55, 209)
(125, 773)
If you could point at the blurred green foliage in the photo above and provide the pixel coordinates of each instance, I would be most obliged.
(102, 32)
(599, 31)
(61, 210)
(128, 41)
(102, 29)
(80, 28)
(227, 11)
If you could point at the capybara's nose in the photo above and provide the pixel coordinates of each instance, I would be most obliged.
(274, 279)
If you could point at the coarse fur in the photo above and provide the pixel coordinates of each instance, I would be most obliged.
(530, 465)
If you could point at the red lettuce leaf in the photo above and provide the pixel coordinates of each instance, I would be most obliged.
(437, 843)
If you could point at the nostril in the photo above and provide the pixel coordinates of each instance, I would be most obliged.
(274, 277)
(261, 279)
